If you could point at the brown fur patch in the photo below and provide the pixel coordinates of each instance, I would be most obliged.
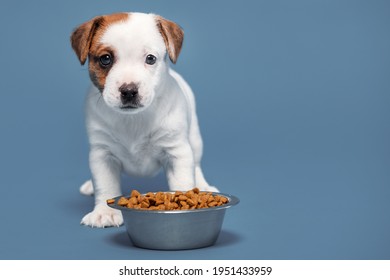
(97, 72)
(85, 43)
(173, 36)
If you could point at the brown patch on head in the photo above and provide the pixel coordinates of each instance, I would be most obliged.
(173, 36)
(85, 43)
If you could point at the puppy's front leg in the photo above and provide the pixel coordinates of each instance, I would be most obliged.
(105, 169)
(180, 168)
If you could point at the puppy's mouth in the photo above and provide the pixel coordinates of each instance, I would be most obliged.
(130, 106)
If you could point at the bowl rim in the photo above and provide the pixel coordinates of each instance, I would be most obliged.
(233, 200)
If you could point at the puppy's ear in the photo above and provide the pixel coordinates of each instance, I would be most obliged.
(173, 36)
(82, 36)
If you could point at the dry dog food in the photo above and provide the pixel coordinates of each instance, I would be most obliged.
(193, 199)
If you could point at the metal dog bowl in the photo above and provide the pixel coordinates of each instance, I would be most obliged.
(175, 229)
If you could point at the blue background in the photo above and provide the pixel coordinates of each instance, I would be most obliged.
(293, 100)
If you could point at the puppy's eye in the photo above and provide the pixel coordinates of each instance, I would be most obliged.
(105, 60)
(150, 59)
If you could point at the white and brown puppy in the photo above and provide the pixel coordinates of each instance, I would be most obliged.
(140, 114)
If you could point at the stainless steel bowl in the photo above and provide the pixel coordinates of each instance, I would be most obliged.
(175, 229)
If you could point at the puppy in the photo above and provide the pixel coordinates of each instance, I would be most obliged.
(140, 114)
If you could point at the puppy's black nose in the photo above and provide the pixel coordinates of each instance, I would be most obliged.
(129, 93)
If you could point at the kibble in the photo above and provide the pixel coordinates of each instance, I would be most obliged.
(192, 199)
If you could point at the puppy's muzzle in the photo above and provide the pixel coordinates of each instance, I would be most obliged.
(130, 97)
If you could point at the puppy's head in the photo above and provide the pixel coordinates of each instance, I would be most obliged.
(127, 56)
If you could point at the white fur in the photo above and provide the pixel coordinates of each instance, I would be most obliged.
(162, 133)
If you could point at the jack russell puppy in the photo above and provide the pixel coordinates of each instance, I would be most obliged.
(140, 114)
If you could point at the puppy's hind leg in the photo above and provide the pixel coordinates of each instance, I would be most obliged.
(201, 182)
(197, 148)
(87, 188)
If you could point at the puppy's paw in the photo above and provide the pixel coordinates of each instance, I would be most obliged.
(87, 188)
(103, 216)
(208, 189)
